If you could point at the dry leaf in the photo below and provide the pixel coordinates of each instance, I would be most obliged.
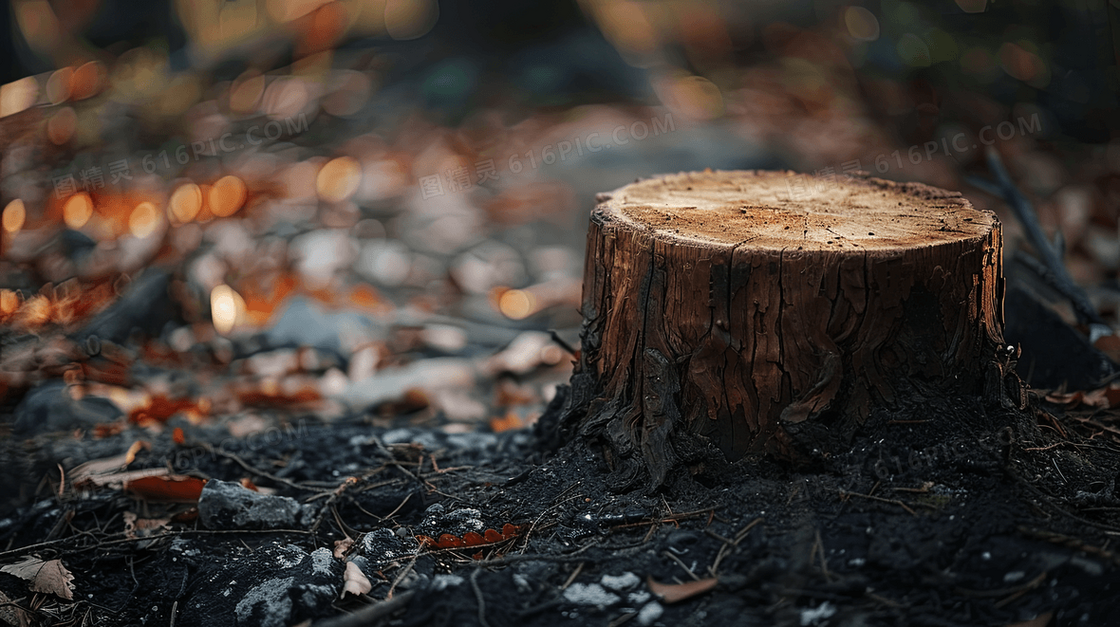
(134, 526)
(342, 546)
(118, 479)
(12, 614)
(50, 577)
(176, 488)
(355, 581)
(673, 593)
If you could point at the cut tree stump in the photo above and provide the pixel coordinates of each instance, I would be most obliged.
(769, 312)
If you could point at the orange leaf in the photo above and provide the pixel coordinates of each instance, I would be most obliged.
(505, 423)
(472, 538)
(166, 488)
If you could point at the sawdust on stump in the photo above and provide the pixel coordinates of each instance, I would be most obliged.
(769, 312)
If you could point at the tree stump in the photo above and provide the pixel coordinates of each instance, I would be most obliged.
(769, 312)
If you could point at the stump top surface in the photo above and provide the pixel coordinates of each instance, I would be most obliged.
(785, 210)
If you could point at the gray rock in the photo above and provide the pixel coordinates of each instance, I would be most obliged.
(620, 583)
(50, 407)
(145, 306)
(382, 546)
(227, 505)
(303, 323)
(272, 586)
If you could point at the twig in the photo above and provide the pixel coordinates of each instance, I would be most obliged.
(1056, 274)
(881, 500)
(676, 559)
(572, 577)
(403, 573)
(1030, 585)
(258, 472)
(819, 545)
(560, 341)
(729, 544)
(371, 614)
(481, 601)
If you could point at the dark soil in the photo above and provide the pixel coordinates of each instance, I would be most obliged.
(993, 522)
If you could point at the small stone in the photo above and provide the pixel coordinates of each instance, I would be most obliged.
(228, 505)
(620, 583)
(590, 594)
(649, 613)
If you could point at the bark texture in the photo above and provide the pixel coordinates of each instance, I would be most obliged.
(768, 312)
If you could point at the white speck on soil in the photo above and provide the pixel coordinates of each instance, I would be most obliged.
(590, 594)
(321, 559)
(441, 582)
(277, 604)
(812, 615)
(620, 583)
(649, 613)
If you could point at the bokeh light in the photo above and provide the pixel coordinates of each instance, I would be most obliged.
(185, 202)
(339, 179)
(862, 24)
(61, 126)
(409, 19)
(517, 304)
(14, 216)
(87, 80)
(246, 92)
(77, 210)
(18, 95)
(227, 196)
(144, 220)
(58, 85)
(227, 308)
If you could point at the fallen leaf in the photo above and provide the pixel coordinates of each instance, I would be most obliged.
(11, 613)
(166, 488)
(135, 527)
(116, 479)
(50, 577)
(510, 421)
(674, 593)
(342, 546)
(354, 580)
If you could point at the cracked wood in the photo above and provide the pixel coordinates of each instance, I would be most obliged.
(768, 312)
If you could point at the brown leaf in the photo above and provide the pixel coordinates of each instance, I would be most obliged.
(673, 593)
(50, 577)
(11, 613)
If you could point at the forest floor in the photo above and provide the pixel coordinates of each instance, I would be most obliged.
(329, 370)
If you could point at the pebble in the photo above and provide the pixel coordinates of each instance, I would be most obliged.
(52, 407)
(620, 583)
(649, 613)
(228, 505)
(590, 594)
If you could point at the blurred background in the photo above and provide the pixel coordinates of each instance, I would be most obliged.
(356, 205)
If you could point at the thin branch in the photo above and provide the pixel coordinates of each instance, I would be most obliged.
(1056, 274)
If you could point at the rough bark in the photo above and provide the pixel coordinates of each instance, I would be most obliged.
(768, 313)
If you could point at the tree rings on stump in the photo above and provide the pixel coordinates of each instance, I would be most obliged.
(768, 312)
